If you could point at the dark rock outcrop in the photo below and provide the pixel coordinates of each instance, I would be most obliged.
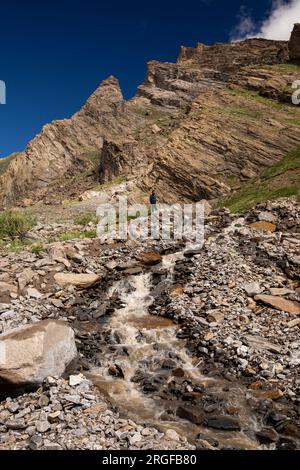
(294, 44)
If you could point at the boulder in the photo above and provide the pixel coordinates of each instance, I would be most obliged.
(273, 394)
(34, 293)
(252, 289)
(30, 354)
(192, 252)
(58, 254)
(78, 280)
(294, 44)
(177, 292)
(263, 226)
(267, 435)
(193, 414)
(133, 271)
(267, 217)
(150, 259)
(27, 202)
(224, 423)
(155, 129)
(215, 316)
(25, 277)
(279, 303)
(294, 323)
(6, 288)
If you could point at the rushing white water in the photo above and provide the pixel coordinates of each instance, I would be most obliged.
(144, 341)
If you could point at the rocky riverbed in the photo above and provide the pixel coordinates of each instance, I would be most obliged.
(209, 344)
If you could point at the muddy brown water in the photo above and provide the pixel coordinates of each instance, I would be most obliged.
(147, 341)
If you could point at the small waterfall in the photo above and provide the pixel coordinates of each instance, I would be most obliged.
(139, 343)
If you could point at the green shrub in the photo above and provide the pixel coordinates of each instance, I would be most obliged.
(38, 248)
(15, 224)
(84, 219)
(76, 234)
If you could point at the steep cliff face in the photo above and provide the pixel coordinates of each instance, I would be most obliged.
(225, 138)
(236, 119)
(221, 113)
(206, 67)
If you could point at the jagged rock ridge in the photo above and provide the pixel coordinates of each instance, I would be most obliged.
(191, 125)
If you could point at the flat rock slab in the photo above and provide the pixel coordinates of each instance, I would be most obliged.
(278, 291)
(126, 266)
(263, 226)
(294, 323)
(261, 344)
(273, 394)
(279, 303)
(134, 271)
(191, 253)
(224, 423)
(78, 280)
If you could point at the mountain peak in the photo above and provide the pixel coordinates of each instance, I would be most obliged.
(109, 91)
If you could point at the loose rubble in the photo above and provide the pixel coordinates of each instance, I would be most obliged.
(221, 298)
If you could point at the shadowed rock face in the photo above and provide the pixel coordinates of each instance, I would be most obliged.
(294, 44)
(190, 124)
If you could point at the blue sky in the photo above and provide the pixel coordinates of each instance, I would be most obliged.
(53, 55)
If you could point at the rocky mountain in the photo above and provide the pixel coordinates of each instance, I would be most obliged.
(220, 113)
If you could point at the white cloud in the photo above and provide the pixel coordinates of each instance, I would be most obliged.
(278, 24)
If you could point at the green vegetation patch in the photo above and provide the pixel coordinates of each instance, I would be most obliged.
(242, 111)
(109, 184)
(84, 219)
(293, 122)
(288, 68)
(93, 156)
(254, 96)
(271, 185)
(290, 162)
(76, 234)
(15, 224)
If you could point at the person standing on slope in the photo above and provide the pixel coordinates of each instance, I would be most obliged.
(153, 201)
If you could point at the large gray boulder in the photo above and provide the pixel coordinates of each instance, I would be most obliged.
(30, 354)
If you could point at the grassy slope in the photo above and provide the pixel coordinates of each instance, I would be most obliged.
(280, 180)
